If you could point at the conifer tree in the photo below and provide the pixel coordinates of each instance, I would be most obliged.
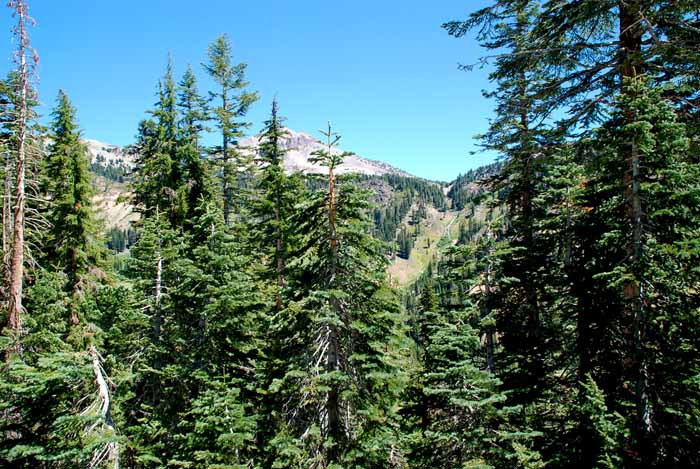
(466, 422)
(343, 373)
(71, 243)
(218, 318)
(53, 402)
(158, 174)
(60, 363)
(154, 400)
(634, 370)
(196, 177)
(592, 54)
(278, 193)
(233, 104)
(521, 136)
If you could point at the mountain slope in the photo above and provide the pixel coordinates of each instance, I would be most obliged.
(300, 146)
(432, 214)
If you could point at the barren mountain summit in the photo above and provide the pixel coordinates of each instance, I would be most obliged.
(301, 145)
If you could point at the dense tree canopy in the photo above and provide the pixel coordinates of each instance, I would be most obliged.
(247, 318)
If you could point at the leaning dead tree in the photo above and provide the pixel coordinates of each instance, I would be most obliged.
(25, 93)
(109, 452)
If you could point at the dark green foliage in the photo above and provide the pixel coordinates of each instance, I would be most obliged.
(71, 243)
(196, 186)
(50, 402)
(110, 172)
(157, 174)
(468, 187)
(252, 326)
(231, 107)
(119, 240)
(404, 242)
(407, 191)
(342, 377)
(217, 315)
(465, 424)
(608, 428)
(584, 302)
(171, 175)
(277, 194)
(641, 354)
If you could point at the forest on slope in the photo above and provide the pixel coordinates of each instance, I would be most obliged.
(247, 318)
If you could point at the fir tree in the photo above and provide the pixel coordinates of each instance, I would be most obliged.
(233, 104)
(155, 398)
(217, 319)
(71, 243)
(158, 173)
(343, 377)
(196, 178)
(278, 193)
(631, 361)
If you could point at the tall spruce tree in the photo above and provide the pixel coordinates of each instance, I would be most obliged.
(71, 243)
(157, 172)
(339, 394)
(196, 178)
(274, 206)
(232, 106)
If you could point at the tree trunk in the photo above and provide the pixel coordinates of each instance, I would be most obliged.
(279, 249)
(157, 321)
(7, 207)
(486, 309)
(226, 171)
(75, 286)
(158, 295)
(631, 66)
(111, 452)
(333, 399)
(17, 262)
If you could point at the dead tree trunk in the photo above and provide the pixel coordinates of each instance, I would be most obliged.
(17, 260)
(6, 226)
(110, 452)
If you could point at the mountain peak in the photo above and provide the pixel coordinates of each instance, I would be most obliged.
(300, 146)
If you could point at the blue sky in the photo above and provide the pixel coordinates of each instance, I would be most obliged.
(383, 72)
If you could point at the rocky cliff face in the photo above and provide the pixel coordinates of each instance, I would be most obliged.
(106, 154)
